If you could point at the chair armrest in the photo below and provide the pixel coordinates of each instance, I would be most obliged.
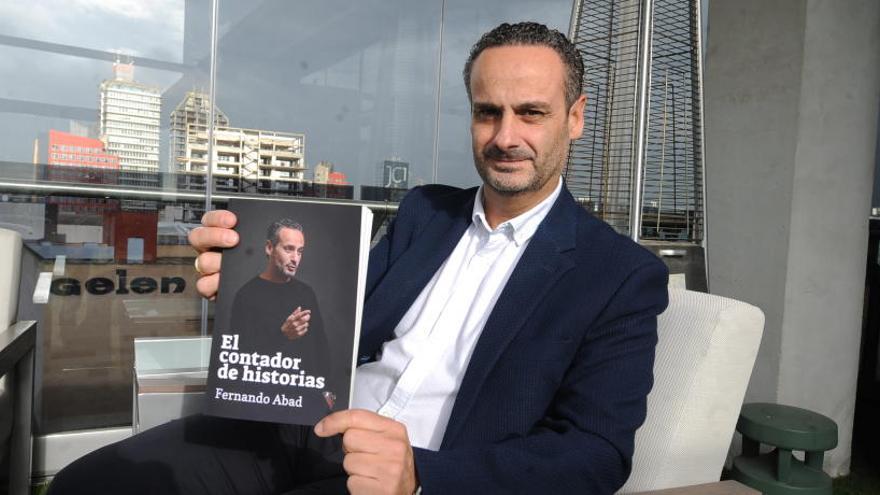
(15, 342)
(17, 363)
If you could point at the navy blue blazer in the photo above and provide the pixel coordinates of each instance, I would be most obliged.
(557, 382)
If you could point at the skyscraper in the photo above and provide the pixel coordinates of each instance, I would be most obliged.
(129, 125)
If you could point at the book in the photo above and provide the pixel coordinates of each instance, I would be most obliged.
(288, 312)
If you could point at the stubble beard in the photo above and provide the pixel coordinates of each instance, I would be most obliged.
(543, 168)
(284, 271)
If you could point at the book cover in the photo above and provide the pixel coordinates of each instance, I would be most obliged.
(287, 317)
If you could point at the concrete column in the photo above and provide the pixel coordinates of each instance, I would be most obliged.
(791, 92)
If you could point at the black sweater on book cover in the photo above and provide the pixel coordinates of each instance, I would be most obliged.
(259, 310)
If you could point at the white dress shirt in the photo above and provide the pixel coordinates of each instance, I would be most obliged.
(418, 373)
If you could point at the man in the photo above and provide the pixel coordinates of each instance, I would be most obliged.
(275, 311)
(268, 296)
(508, 337)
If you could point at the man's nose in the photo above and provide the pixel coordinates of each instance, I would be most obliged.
(506, 132)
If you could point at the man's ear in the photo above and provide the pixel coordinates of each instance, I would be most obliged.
(576, 118)
(269, 248)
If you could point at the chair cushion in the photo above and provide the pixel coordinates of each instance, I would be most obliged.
(705, 353)
(10, 268)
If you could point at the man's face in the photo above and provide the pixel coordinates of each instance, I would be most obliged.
(520, 125)
(286, 254)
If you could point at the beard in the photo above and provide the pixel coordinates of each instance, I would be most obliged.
(288, 270)
(510, 181)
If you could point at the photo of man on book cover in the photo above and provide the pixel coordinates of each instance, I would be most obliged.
(274, 356)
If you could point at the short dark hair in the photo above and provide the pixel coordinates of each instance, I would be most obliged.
(533, 33)
(277, 225)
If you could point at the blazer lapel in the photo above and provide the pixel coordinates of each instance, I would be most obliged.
(540, 266)
(409, 275)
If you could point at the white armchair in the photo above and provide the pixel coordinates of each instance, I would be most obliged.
(17, 341)
(10, 267)
(707, 347)
(10, 263)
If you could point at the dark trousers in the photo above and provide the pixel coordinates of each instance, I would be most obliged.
(204, 454)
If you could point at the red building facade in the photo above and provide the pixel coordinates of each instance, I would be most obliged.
(78, 151)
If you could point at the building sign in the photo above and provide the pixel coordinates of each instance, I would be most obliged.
(395, 174)
(120, 285)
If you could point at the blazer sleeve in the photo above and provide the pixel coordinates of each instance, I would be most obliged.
(584, 443)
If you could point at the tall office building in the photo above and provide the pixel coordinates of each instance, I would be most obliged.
(129, 125)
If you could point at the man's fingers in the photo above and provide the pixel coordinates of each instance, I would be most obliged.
(207, 238)
(362, 441)
(341, 421)
(302, 316)
(298, 313)
(209, 262)
(294, 334)
(361, 485)
(207, 285)
(361, 464)
(219, 218)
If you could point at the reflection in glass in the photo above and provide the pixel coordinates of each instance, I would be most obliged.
(106, 141)
(86, 180)
(356, 79)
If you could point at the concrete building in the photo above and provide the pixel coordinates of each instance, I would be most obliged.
(129, 114)
(194, 110)
(325, 173)
(322, 172)
(245, 160)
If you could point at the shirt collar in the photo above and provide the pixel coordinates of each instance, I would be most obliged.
(522, 227)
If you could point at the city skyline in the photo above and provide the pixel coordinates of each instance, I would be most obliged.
(368, 96)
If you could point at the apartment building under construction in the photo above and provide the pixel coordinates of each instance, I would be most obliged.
(245, 160)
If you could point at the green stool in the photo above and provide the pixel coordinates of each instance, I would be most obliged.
(786, 428)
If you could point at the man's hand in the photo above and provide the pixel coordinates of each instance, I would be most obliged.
(297, 324)
(378, 456)
(216, 233)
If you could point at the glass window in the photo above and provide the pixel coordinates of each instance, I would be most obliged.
(77, 73)
(338, 99)
(349, 85)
